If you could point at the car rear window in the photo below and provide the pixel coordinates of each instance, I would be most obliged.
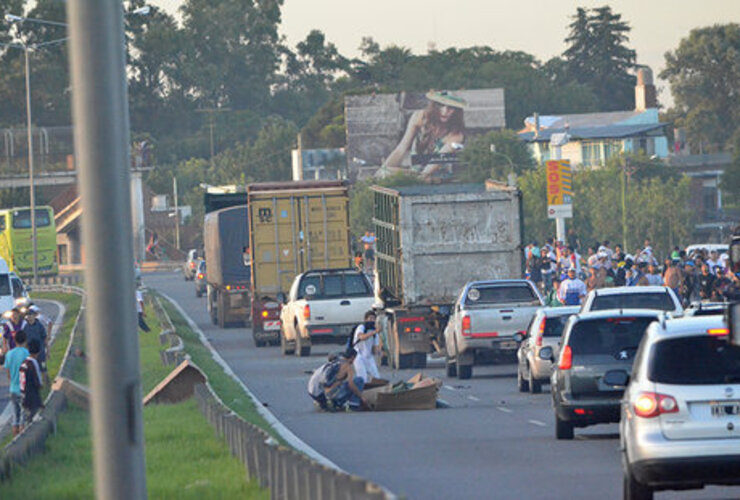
(500, 295)
(328, 286)
(554, 326)
(694, 361)
(658, 301)
(607, 335)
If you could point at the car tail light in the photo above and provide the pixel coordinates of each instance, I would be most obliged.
(266, 313)
(192, 265)
(652, 404)
(200, 276)
(566, 358)
(467, 327)
(306, 312)
(541, 332)
(718, 331)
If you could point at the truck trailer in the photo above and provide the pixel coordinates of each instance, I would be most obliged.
(226, 242)
(431, 241)
(294, 227)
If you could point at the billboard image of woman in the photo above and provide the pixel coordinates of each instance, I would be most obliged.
(430, 132)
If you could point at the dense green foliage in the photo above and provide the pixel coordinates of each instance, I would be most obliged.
(655, 202)
(704, 74)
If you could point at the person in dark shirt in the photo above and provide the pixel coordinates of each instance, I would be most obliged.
(10, 328)
(36, 330)
(706, 283)
(31, 382)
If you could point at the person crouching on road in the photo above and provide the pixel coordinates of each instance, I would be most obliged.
(365, 341)
(30, 380)
(13, 361)
(346, 390)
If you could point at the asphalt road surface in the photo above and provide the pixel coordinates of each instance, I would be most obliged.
(493, 442)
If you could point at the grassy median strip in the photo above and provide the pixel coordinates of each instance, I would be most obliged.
(184, 459)
(227, 389)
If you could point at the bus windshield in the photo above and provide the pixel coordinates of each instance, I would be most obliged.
(22, 218)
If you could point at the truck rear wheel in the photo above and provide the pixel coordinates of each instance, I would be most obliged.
(398, 361)
(285, 348)
(420, 360)
(464, 371)
(301, 349)
(221, 311)
(451, 367)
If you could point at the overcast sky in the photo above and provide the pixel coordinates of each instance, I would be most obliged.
(535, 26)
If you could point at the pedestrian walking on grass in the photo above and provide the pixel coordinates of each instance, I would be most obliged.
(35, 330)
(140, 310)
(13, 361)
(31, 382)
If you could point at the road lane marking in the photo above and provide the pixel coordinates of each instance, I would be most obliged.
(537, 422)
(473, 398)
(503, 409)
(449, 387)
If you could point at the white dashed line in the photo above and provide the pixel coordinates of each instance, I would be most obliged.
(505, 410)
(449, 387)
(473, 398)
(537, 422)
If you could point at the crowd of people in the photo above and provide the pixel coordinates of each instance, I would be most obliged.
(25, 347)
(565, 276)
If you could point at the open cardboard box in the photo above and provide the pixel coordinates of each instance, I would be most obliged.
(422, 395)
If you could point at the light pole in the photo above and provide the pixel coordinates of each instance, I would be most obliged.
(18, 20)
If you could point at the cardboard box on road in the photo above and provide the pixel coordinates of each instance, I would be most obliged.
(420, 395)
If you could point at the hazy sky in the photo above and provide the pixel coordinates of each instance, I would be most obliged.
(535, 26)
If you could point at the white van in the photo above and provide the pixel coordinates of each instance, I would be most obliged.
(11, 288)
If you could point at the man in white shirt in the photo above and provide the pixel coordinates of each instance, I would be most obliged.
(140, 310)
(572, 290)
(365, 341)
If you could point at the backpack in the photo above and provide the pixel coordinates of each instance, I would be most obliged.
(351, 339)
(329, 374)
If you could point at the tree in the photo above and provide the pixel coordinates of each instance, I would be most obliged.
(704, 75)
(494, 156)
(730, 183)
(597, 56)
(361, 201)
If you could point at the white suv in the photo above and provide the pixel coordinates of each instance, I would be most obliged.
(659, 298)
(680, 415)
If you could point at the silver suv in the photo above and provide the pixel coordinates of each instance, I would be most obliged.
(680, 425)
(544, 330)
(657, 298)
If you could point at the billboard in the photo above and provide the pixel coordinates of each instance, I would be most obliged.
(317, 164)
(416, 132)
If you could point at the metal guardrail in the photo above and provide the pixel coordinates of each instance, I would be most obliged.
(287, 473)
(31, 441)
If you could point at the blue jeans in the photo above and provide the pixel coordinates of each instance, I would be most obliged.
(343, 394)
(15, 400)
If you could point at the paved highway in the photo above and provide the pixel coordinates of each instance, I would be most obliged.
(493, 442)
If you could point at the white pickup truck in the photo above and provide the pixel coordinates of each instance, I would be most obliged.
(484, 320)
(323, 306)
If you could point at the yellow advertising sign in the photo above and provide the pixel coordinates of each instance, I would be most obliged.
(559, 183)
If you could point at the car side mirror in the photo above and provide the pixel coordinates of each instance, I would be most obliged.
(616, 378)
(518, 337)
(282, 298)
(547, 354)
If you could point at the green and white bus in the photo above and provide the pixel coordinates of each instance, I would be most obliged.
(16, 244)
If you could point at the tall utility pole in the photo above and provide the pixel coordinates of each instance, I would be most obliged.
(177, 213)
(211, 125)
(32, 191)
(100, 113)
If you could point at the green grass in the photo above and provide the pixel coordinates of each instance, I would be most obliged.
(184, 458)
(171, 433)
(230, 392)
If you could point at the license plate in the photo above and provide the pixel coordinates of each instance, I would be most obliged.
(508, 344)
(725, 408)
(271, 325)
